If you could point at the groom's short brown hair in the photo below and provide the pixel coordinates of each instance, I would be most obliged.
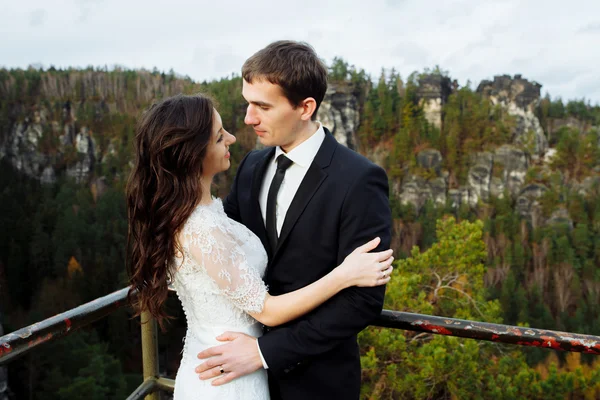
(294, 66)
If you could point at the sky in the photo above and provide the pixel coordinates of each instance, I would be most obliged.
(553, 42)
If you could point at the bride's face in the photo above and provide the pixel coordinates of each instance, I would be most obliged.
(217, 153)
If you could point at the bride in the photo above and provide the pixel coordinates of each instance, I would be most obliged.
(179, 233)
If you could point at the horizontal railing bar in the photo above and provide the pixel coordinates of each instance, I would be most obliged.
(147, 387)
(23, 340)
(164, 384)
(152, 385)
(543, 338)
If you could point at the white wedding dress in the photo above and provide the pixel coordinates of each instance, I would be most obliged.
(218, 279)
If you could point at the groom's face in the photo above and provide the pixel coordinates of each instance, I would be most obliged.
(274, 119)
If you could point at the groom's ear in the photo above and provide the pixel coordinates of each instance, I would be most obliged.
(308, 107)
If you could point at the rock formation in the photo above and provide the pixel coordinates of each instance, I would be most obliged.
(25, 143)
(433, 93)
(339, 112)
(519, 97)
(527, 204)
(25, 150)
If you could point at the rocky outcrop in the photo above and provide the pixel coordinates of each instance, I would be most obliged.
(519, 97)
(37, 145)
(589, 185)
(85, 146)
(490, 175)
(430, 159)
(505, 89)
(560, 217)
(461, 196)
(479, 177)
(21, 148)
(417, 191)
(528, 205)
(555, 124)
(510, 168)
(433, 92)
(339, 112)
(44, 139)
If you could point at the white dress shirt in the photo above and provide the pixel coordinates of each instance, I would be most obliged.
(302, 157)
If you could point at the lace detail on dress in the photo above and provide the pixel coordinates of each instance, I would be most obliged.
(218, 281)
(216, 246)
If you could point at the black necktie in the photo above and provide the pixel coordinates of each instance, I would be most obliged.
(283, 163)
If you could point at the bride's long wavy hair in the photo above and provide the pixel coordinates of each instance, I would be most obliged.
(162, 191)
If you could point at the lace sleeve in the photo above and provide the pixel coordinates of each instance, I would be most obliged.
(218, 253)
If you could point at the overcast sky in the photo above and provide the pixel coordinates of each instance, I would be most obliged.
(554, 42)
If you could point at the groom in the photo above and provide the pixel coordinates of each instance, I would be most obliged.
(310, 209)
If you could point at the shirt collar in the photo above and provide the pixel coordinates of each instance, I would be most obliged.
(305, 152)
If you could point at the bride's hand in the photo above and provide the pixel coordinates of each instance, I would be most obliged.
(364, 269)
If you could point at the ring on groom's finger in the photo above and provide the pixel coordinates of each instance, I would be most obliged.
(221, 369)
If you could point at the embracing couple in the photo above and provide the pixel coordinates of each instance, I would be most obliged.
(277, 280)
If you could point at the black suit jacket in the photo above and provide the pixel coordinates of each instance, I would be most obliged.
(341, 204)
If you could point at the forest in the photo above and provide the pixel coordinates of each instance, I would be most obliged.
(64, 230)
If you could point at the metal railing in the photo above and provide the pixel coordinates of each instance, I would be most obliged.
(22, 341)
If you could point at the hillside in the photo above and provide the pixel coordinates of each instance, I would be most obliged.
(526, 165)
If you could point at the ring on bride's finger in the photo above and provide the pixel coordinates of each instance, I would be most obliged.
(221, 369)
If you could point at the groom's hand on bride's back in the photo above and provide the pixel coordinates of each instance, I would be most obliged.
(237, 357)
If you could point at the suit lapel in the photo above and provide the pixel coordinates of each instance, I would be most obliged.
(313, 179)
(256, 224)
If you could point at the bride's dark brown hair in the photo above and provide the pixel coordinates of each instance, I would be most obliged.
(162, 191)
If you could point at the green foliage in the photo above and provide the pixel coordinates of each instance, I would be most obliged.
(46, 226)
(343, 74)
(577, 153)
(412, 131)
(447, 280)
(339, 70)
(579, 109)
(450, 273)
(80, 365)
(557, 109)
(550, 110)
(381, 116)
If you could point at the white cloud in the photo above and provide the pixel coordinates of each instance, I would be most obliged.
(472, 39)
(593, 27)
(37, 17)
